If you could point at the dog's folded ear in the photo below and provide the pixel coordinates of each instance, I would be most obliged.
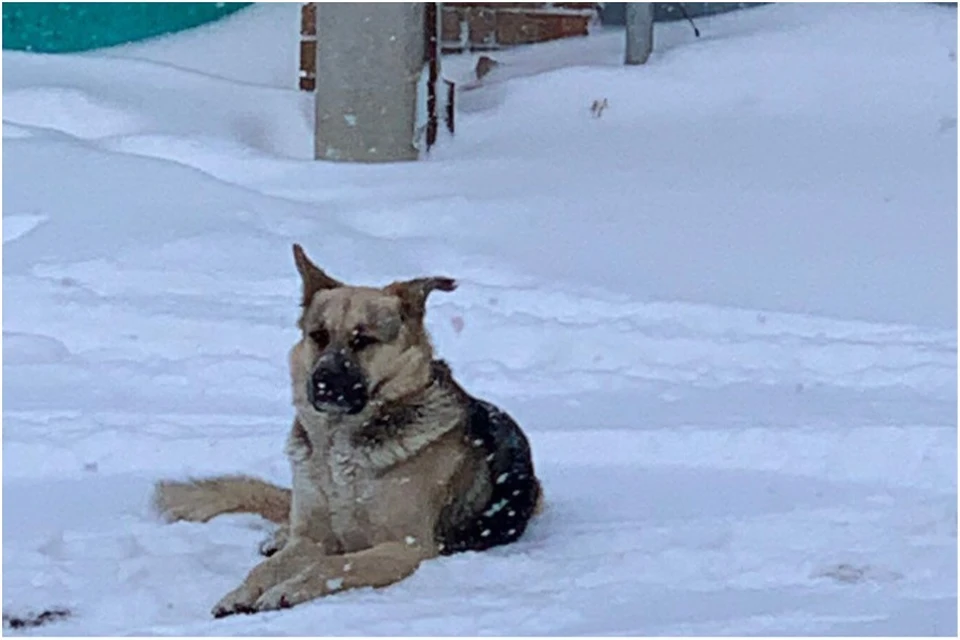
(314, 278)
(413, 293)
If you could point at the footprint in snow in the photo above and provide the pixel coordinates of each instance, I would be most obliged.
(854, 574)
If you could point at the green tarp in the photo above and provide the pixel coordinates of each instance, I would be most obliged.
(61, 27)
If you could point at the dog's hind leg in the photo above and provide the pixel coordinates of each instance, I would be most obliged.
(201, 500)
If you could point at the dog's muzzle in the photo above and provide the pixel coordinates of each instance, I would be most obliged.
(337, 384)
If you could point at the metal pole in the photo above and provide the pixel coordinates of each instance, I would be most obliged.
(639, 32)
(369, 60)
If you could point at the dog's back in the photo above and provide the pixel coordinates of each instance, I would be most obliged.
(513, 494)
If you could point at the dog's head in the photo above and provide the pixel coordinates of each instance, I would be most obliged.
(360, 346)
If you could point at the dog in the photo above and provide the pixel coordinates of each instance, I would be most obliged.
(393, 461)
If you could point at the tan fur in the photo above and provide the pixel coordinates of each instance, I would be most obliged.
(541, 503)
(201, 500)
(363, 511)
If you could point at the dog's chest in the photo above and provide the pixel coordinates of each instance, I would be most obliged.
(350, 486)
(351, 496)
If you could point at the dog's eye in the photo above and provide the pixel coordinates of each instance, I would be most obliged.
(320, 336)
(361, 341)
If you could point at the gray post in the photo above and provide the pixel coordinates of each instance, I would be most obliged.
(369, 60)
(639, 32)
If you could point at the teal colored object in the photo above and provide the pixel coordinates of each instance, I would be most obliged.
(63, 27)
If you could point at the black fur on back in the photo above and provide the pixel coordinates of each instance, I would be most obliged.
(515, 489)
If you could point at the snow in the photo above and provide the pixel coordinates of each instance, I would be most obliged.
(724, 312)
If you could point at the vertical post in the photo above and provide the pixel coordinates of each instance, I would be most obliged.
(431, 45)
(639, 32)
(369, 60)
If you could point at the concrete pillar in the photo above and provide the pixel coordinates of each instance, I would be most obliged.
(370, 57)
(639, 32)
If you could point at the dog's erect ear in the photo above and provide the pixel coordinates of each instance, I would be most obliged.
(314, 278)
(413, 293)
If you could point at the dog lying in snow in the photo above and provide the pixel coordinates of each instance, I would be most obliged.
(393, 462)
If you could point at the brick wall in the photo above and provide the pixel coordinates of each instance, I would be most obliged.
(484, 26)
(473, 26)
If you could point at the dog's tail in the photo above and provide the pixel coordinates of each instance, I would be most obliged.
(201, 500)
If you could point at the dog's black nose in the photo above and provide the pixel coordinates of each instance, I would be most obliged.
(337, 384)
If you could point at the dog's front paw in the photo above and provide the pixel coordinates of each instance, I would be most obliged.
(309, 585)
(294, 560)
(240, 600)
(279, 597)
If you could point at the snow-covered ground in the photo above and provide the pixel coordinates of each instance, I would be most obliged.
(725, 312)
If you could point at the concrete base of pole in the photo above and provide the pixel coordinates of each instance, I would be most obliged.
(639, 19)
(369, 60)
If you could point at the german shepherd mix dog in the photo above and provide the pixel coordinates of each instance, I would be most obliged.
(393, 462)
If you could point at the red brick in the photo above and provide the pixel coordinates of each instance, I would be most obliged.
(308, 19)
(525, 28)
(461, 6)
(482, 24)
(450, 25)
(308, 56)
(584, 6)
